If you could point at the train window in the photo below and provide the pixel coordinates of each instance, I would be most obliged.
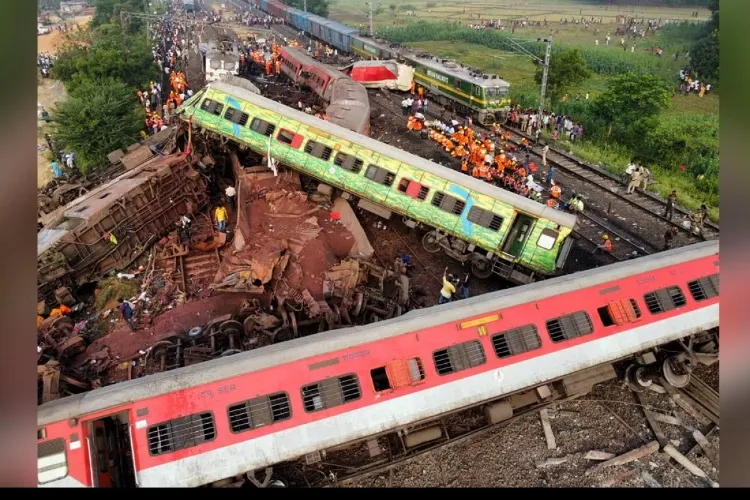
(348, 162)
(516, 341)
(52, 463)
(260, 411)
(704, 288)
(380, 175)
(413, 189)
(547, 239)
(181, 433)
(262, 127)
(569, 326)
(485, 218)
(318, 150)
(448, 203)
(330, 392)
(619, 312)
(235, 115)
(229, 65)
(211, 106)
(41, 433)
(288, 137)
(399, 373)
(665, 299)
(215, 64)
(459, 357)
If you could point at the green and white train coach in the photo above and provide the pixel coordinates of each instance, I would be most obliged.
(472, 221)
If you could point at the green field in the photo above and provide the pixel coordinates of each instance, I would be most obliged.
(355, 12)
(474, 49)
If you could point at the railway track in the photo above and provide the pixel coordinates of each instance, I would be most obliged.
(591, 226)
(643, 200)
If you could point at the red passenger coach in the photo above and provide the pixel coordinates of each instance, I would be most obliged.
(215, 420)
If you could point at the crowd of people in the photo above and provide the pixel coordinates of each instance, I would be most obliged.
(687, 84)
(45, 62)
(528, 122)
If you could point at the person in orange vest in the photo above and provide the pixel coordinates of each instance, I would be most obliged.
(552, 203)
(277, 66)
(464, 166)
(604, 246)
(63, 310)
(420, 93)
(268, 68)
(555, 191)
(413, 86)
(475, 172)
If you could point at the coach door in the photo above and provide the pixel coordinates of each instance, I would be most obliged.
(110, 451)
(519, 233)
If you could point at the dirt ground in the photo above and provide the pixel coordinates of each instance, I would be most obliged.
(48, 43)
(515, 455)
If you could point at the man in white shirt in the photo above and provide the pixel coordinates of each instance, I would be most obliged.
(230, 192)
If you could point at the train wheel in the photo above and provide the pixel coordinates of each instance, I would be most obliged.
(481, 267)
(634, 377)
(430, 242)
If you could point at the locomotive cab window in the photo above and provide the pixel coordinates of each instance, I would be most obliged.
(516, 341)
(413, 189)
(665, 299)
(330, 392)
(211, 106)
(380, 175)
(262, 127)
(398, 373)
(547, 239)
(459, 357)
(181, 433)
(485, 218)
(257, 412)
(348, 162)
(619, 312)
(52, 463)
(318, 150)
(569, 326)
(236, 116)
(448, 203)
(704, 288)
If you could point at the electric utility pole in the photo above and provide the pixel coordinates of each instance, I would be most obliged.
(370, 5)
(545, 65)
(305, 6)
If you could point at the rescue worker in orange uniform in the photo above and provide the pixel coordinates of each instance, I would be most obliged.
(604, 246)
(268, 68)
(413, 86)
(277, 66)
(465, 166)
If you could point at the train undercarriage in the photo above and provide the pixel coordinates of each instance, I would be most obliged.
(669, 366)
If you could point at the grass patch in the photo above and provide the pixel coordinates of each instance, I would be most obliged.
(110, 289)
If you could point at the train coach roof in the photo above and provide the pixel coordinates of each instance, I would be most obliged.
(335, 340)
(306, 60)
(455, 69)
(523, 204)
(341, 28)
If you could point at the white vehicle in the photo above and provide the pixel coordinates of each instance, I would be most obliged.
(42, 29)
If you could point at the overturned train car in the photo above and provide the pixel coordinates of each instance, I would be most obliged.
(109, 227)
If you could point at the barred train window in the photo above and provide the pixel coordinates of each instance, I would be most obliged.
(236, 116)
(569, 326)
(448, 203)
(262, 127)
(459, 357)
(318, 150)
(260, 411)
(485, 218)
(52, 463)
(330, 392)
(380, 175)
(396, 374)
(211, 106)
(619, 312)
(348, 162)
(665, 299)
(704, 288)
(181, 433)
(516, 341)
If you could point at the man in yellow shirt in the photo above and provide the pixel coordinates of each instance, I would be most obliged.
(446, 293)
(221, 218)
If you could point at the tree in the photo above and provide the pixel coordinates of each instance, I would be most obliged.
(631, 98)
(567, 69)
(103, 52)
(704, 57)
(98, 117)
(393, 8)
(317, 7)
(108, 11)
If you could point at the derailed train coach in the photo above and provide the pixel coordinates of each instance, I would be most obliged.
(492, 229)
(108, 227)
